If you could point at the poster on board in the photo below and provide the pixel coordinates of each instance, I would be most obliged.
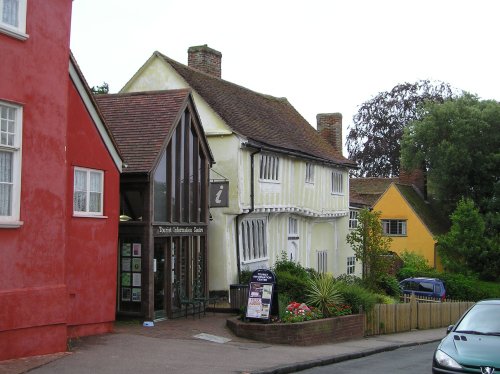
(260, 294)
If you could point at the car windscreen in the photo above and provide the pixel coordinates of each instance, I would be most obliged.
(482, 319)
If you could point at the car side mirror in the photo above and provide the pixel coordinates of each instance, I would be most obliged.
(449, 328)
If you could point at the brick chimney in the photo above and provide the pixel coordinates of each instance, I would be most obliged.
(205, 59)
(416, 177)
(330, 128)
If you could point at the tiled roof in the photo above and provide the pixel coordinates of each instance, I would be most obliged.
(368, 190)
(429, 216)
(264, 119)
(140, 123)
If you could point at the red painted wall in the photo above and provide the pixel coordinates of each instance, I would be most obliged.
(92, 242)
(58, 272)
(34, 73)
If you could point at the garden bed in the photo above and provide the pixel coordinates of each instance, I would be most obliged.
(320, 331)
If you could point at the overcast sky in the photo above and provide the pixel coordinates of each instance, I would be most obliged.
(323, 55)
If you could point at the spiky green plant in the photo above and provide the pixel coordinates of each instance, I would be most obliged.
(322, 293)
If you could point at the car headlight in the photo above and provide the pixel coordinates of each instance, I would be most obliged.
(446, 361)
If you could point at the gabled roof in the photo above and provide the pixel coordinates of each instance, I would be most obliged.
(429, 216)
(142, 123)
(262, 119)
(88, 100)
(368, 190)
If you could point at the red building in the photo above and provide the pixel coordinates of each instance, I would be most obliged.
(59, 183)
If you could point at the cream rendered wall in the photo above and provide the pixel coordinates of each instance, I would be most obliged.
(292, 196)
(291, 191)
(392, 205)
(345, 249)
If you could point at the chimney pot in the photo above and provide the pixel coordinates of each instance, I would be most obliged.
(205, 59)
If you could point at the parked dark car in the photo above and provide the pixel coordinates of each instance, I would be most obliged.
(472, 345)
(430, 287)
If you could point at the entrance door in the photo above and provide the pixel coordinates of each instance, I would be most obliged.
(159, 279)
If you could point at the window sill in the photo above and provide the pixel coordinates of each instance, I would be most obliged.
(271, 181)
(13, 32)
(88, 216)
(11, 225)
(255, 260)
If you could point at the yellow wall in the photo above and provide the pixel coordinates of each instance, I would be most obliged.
(393, 205)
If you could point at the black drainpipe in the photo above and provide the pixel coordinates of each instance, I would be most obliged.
(252, 208)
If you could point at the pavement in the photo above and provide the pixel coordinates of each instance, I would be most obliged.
(201, 345)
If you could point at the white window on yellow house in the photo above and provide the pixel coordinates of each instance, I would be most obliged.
(394, 227)
(269, 167)
(322, 261)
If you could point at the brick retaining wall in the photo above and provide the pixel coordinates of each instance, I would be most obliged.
(327, 330)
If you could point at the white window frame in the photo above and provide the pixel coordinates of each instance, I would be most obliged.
(351, 265)
(12, 220)
(87, 212)
(337, 183)
(269, 168)
(322, 261)
(253, 240)
(309, 172)
(353, 219)
(17, 31)
(401, 227)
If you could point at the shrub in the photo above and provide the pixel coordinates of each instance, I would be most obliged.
(389, 284)
(283, 264)
(292, 285)
(349, 279)
(462, 287)
(337, 310)
(357, 297)
(283, 301)
(245, 276)
(322, 292)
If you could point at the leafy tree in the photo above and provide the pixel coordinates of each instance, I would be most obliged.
(370, 246)
(459, 142)
(100, 90)
(462, 244)
(374, 140)
(464, 249)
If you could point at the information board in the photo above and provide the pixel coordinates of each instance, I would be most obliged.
(260, 294)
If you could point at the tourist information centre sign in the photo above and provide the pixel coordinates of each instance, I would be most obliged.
(260, 294)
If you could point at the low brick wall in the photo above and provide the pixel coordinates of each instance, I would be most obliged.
(327, 330)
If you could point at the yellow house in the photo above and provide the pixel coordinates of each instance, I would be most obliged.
(406, 216)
